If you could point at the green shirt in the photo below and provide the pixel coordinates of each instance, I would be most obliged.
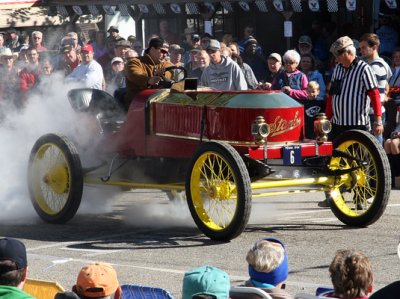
(8, 292)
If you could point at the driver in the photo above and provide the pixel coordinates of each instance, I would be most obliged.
(146, 71)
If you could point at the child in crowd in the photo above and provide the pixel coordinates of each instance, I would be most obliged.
(312, 90)
(351, 275)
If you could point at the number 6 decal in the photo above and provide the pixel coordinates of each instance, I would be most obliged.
(292, 155)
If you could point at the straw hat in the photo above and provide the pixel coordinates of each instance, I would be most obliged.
(7, 53)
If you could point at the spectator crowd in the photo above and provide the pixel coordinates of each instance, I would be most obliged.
(358, 80)
(350, 271)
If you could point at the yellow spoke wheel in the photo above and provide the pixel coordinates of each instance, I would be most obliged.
(218, 191)
(55, 178)
(364, 195)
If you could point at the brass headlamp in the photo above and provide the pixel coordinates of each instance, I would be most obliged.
(260, 130)
(322, 127)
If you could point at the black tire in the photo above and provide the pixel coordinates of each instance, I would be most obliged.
(363, 198)
(55, 178)
(218, 191)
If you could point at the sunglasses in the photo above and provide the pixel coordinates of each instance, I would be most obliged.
(163, 51)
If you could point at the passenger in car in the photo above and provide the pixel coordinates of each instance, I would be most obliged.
(146, 71)
(292, 81)
(222, 73)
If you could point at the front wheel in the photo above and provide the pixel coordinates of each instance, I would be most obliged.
(55, 178)
(218, 191)
(363, 197)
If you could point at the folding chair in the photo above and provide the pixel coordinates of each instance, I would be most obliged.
(248, 293)
(321, 291)
(134, 291)
(42, 289)
(309, 296)
(305, 296)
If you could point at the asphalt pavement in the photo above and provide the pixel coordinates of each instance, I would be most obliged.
(152, 241)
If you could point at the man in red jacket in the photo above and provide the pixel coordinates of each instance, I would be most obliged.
(29, 75)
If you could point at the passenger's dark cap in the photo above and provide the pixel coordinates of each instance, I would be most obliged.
(13, 250)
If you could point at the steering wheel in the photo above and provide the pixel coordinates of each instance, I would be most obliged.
(178, 73)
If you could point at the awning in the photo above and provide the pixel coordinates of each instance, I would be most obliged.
(163, 6)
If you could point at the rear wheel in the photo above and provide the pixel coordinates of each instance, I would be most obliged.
(218, 191)
(363, 198)
(55, 178)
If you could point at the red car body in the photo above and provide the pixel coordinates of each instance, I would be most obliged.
(160, 125)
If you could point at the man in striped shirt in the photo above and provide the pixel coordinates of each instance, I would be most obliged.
(369, 46)
(353, 89)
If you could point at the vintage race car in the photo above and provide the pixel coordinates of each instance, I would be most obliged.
(223, 148)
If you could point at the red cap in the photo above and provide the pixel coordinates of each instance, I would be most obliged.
(87, 48)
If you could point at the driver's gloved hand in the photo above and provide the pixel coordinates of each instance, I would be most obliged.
(166, 83)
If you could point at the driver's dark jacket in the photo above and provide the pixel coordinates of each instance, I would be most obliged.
(137, 72)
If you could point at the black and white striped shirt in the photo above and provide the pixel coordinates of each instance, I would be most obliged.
(350, 106)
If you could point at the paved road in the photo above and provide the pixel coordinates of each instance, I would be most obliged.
(151, 241)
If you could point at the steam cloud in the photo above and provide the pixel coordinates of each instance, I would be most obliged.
(45, 113)
(51, 112)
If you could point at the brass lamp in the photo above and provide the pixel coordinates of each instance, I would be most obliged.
(260, 130)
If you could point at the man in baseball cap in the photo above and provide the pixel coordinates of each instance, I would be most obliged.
(13, 269)
(147, 71)
(89, 73)
(97, 280)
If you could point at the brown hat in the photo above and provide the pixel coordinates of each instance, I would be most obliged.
(176, 48)
(340, 44)
(66, 49)
(122, 43)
